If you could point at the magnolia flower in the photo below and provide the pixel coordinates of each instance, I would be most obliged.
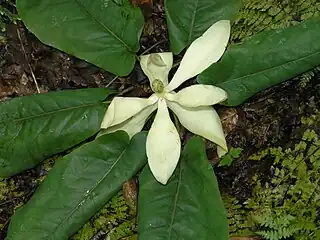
(192, 105)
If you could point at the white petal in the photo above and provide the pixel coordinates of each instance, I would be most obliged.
(122, 108)
(198, 95)
(134, 124)
(157, 66)
(202, 52)
(203, 121)
(163, 145)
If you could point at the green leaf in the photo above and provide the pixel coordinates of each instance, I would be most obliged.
(38, 126)
(78, 186)
(103, 32)
(265, 59)
(227, 159)
(235, 152)
(189, 206)
(189, 19)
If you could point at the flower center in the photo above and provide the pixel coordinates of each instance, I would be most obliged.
(157, 86)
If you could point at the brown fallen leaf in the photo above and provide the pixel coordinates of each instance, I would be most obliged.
(229, 119)
(146, 7)
(137, 3)
(130, 193)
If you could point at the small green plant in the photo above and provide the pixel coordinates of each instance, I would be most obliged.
(115, 220)
(227, 159)
(287, 204)
(307, 76)
(172, 186)
(239, 223)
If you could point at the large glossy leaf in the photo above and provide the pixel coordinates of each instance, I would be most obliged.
(264, 60)
(78, 186)
(189, 19)
(188, 207)
(103, 32)
(38, 126)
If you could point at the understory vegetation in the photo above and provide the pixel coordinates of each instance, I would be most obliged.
(285, 202)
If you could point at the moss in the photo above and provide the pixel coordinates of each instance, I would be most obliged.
(6, 187)
(115, 219)
(312, 120)
(256, 15)
(46, 167)
(9, 193)
(9, 190)
(7, 13)
(286, 204)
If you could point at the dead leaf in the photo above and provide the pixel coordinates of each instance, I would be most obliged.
(137, 3)
(130, 193)
(146, 7)
(229, 119)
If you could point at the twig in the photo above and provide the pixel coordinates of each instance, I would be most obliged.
(153, 46)
(112, 81)
(25, 55)
(126, 90)
(176, 64)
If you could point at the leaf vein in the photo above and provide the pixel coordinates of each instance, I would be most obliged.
(175, 202)
(90, 192)
(192, 23)
(270, 68)
(49, 113)
(103, 25)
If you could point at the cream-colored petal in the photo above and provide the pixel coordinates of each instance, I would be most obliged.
(198, 95)
(203, 121)
(134, 124)
(157, 66)
(202, 52)
(122, 108)
(163, 145)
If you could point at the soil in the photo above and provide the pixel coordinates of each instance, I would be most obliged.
(269, 118)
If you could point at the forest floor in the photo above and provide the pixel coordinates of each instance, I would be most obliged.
(271, 118)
